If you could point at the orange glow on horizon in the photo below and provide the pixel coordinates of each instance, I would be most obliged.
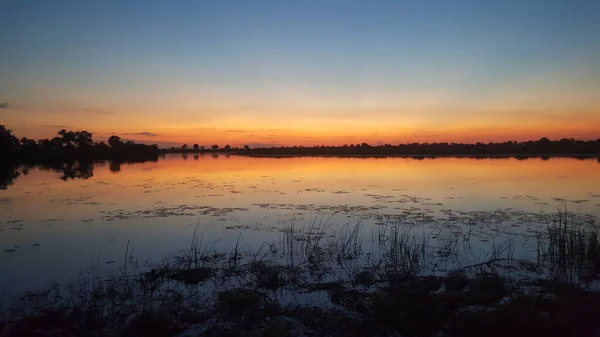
(295, 137)
(310, 129)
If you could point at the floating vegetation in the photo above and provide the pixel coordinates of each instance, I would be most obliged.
(315, 189)
(162, 212)
(325, 281)
(75, 201)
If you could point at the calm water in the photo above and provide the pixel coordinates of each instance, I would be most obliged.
(51, 230)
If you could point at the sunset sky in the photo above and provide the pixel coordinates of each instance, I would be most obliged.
(267, 73)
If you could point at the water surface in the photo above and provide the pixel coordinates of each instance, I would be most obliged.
(52, 229)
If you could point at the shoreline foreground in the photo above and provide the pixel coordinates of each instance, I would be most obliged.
(313, 284)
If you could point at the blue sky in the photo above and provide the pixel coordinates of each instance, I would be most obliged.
(296, 64)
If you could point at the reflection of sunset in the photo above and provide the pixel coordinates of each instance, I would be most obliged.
(156, 205)
(381, 168)
(189, 181)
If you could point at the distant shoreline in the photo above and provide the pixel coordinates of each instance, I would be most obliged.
(498, 156)
(79, 145)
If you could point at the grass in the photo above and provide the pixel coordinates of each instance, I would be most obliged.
(319, 279)
(570, 250)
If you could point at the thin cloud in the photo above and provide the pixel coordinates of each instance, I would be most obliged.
(97, 112)
(10, 106)
(55, 126)
(143, 133)
(235, 130)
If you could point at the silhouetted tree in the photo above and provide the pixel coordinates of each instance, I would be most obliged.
(26, 142)
(196, 147)
(45, 145)
(83, 139)
(67, 138)
(115, 141)
(8, 142)
(184, 147)
(215, 147)
(227, 148)
(57, 142)
(101, 145)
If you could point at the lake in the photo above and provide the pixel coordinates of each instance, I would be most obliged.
(53, 229)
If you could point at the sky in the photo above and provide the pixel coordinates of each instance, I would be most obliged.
(271, 73)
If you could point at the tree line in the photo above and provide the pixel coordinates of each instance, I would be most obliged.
(71, 145)
(80, 145)
(542, 147)
(200, 149)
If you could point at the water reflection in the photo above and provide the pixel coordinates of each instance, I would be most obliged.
(7, 175)
(68, 215)
(85, 170)
(115, 166)
(70, 170)
(67, 170)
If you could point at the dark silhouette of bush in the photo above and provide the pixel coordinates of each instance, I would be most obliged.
(9, 144)
(79, 144)
(71, 146)
(115, 141)
(543, 147)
